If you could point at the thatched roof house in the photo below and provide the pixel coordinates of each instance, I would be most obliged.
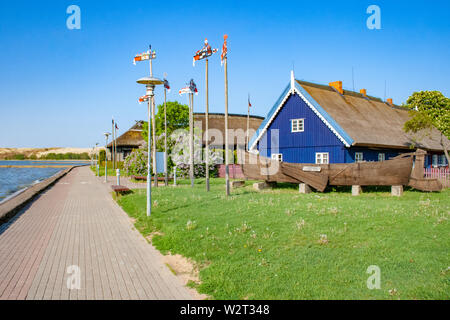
(325, 123)
(237, 124)
(131, 139)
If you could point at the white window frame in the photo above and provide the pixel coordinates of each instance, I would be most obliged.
(359, 156)
(381, 156)
(277, 156)
(434, 160)
(320, 159)
(297, 127)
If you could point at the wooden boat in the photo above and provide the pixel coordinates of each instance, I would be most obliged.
(397, 171)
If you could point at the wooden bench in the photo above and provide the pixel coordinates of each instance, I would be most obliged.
(144, 178)
(120, 189)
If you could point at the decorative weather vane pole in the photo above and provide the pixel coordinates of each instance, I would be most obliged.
(166, 174)
(113, 157)
(107, 134)
(223, 58)
(204, 53)
(248, 122)
(150, 83)
(190, 90)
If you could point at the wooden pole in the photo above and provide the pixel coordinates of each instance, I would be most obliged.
(206, 130)
(227, 175)
(115, 146)
(106, 157)
(248, 123)
(155, 174)
(191, 138)
(112, 146)
(166, 178)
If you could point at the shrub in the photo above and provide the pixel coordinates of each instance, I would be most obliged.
(136, 163)
(180, 155)
(199, 170)
(102, 156)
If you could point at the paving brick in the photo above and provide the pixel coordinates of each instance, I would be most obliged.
(76, 222)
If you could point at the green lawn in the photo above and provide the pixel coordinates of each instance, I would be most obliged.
(110, 171)
(280, 244)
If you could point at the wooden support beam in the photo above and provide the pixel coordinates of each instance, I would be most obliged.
(261, 186)
(237, 184)
(304, 188)
(397, 191)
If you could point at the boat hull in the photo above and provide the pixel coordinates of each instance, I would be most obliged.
(384, 173)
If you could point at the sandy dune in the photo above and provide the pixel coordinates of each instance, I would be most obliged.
(39, 152)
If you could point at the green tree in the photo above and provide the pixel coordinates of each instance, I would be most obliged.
(177, 118)
(102, 156)
(429, 109)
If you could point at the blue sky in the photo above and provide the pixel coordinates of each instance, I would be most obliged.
(61, 87)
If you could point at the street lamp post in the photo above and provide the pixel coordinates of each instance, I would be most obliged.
(107, 134)
(150, 83)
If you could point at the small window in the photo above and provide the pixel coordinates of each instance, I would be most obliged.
(434, 160)
(322, 158)
(381, 157)
(277, 156)
(297, 125)
(359, 156)
(442, 159)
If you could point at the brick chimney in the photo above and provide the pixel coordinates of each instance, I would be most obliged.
(363, 92)
(337, 85)
(389, 101)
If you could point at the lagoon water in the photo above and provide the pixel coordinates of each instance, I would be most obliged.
(17, 178)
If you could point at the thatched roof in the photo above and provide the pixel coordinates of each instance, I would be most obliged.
(235, 122)
(368, 120)
(356, 119)
(131, 138)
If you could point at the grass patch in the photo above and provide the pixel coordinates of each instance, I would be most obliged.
(110, 171)
(279, 244)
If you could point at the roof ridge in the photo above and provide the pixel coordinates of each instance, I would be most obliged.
(348, 92)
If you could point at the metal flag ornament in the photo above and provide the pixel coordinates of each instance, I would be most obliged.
(166, 85)
(191, 88)
(149, 55)
(224, 49)
(204, 52)
(144, 99)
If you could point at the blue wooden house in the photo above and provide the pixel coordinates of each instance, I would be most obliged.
(313, 123)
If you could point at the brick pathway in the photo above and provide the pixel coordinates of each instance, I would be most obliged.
(76, 223)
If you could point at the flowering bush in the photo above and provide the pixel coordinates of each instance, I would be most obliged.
(180, 155)
(136, 163)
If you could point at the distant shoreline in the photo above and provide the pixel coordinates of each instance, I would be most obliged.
(49, 160)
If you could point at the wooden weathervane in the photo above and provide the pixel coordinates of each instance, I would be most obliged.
(191, 89)
(224, 63)
(201, 54)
